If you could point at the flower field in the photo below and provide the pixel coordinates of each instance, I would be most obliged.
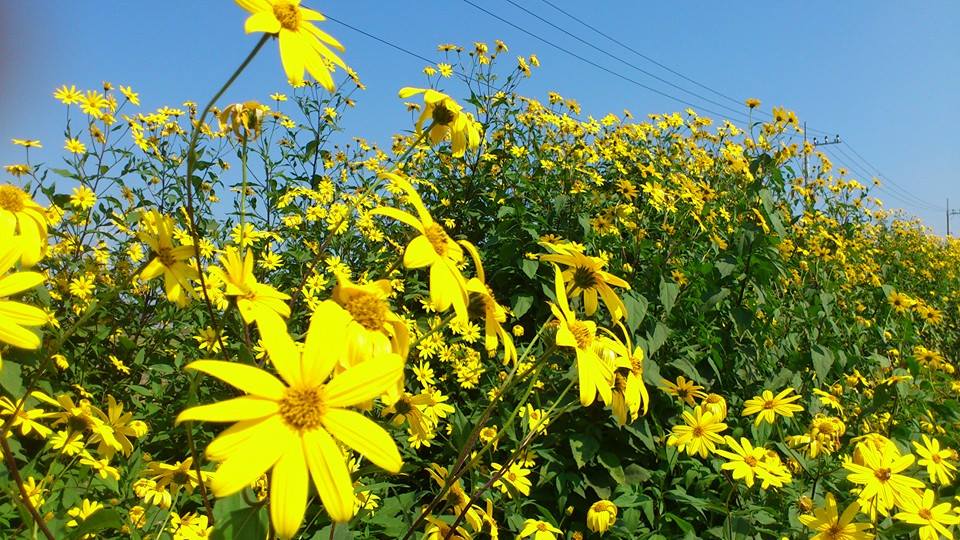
(515, 321)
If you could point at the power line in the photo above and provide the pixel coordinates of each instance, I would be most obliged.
(640, 54)
(888, 193)
(621, 60)
(598, 66)
(887, 179)
(892, 185)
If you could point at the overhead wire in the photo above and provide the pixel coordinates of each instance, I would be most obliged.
(601, 67)
(892, 188)
(627, 63)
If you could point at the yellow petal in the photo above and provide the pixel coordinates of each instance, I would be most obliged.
(408, 91)
(364, 436)
(419, 253)
(288, 493)
(364, 381)
(249, 379)
(400, 216)
(249, 461)
(281, 349)
(291, 56)
(22, 313)
(239, 434)
(265, 21)
(330, 474)
(18, 336)
(325, 346)
(231, 410)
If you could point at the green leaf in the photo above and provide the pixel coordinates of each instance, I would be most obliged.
(668, 295)
(636, 309)
(584, 448)
(342, 532)
(529, 267)
(10, 379)
(822, 362)
(521, 304)
(105, 518)
(237, 520)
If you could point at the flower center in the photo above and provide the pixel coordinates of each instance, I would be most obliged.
(181, 477)
(541, 526)
(835, 532)
(288, 15)
(698, 431)
(925, 513)
(11, 198)
(636, 365)
(303, 408)
(750, 460)
(437, 237)
(582, 334)
(166, 257)
(936, 458)
(585, 278)
(368, 310)
(403, 406)
(882, 474)
(769, 404)
(512, 476)
(442, 115)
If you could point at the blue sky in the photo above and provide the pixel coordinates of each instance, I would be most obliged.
(885, 75)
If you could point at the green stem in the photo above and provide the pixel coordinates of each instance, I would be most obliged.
(15, 474)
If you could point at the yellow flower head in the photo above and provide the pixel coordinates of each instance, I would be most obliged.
(291, 424)
(448, 119)
(601, 516)
(303, 46)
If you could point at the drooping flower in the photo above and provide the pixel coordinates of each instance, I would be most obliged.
(448, 119)
(291, 424)
(433, 248)
(595, 375)
(171, 262)
(483, 303)
(20, 215)
(257, 301)
(303, 46)
(374, 328)
(601, 516)
(585, 274)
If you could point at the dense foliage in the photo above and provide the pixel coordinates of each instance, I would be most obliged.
(553, 326)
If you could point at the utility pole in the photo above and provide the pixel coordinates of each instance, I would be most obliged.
(826, 141)
(950, 213)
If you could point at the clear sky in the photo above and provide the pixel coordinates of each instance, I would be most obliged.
(883, 74)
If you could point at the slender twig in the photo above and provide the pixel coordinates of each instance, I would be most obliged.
(15, 473)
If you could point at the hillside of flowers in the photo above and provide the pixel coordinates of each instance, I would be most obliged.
(511, 321)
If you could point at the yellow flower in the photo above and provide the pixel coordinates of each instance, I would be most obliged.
(256, 301)
(699, 435)
(373, 329)
(292, 425)
(209, 340)
(585, 275)
(933, 519)
(753, 103)
(432, 248)
(514, 480)
(539, 530)
(829, 525)
(745, 460)
(170, 262)
(34, 491)
(595, 375)
(68, 95)
(601, 516)
(687, 391)
(74, 146)
(83, 197)
(19, 214)
(15, 317)
(27, 143)
(483, 304)
(303, 46)
(937, 461)
(245, 120)
(881, 478)
(900, 302)
(629, 390)
(767, 406)
(82, 512)
(447, 120)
